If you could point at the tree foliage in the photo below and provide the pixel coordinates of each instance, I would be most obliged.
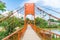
(10, 24)
(41, 22)
(2, 6)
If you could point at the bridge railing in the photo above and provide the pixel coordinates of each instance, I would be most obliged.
(12, 36)
(46, 34)
(17, 35)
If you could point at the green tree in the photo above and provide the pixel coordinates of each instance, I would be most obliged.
(52, 20)
(58, 21)
(2, 6)
(41, 22)
(10, 24)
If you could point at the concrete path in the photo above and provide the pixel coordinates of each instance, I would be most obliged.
(30, 34)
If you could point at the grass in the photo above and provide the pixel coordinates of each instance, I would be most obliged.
(55, 38)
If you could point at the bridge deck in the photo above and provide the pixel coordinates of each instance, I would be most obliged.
(30, 34)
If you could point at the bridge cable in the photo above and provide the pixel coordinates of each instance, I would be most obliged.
(2, 19)
(51, 10)
(47, 13)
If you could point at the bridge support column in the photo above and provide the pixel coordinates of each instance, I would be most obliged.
(29, 9)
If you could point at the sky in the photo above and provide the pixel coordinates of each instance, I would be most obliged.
(43, 4)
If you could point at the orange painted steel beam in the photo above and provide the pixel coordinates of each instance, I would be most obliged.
(29, 9)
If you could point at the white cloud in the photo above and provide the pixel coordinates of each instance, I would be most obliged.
(31, 17)
(5, 13)
(29, 1)
(16, 14)
(52, 3)
(32, 1)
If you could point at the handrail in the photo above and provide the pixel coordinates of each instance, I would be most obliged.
(50, 33)
(43, 31)
(12, 34)
(19, 32)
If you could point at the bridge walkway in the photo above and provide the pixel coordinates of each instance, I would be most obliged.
(30, 34)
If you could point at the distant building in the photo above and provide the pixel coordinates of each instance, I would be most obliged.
(52, 23)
